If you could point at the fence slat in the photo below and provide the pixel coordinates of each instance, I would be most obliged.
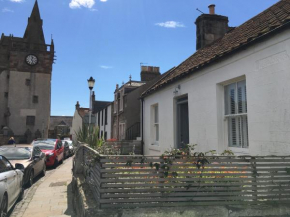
(123, 181)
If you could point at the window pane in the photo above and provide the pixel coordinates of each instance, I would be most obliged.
(238, 131)
(156, 114)
(157, 132)
(232, 125)
(244, 129)
(242, 97)
(230, 99)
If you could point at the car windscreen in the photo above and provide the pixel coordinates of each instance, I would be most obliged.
(44, 145)
(12, 153)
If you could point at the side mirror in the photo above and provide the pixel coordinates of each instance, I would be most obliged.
(19, 167)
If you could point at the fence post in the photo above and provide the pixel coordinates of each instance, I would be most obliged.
(254, 175)
(100, 183)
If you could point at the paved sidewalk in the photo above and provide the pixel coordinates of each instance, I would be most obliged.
(52, 198)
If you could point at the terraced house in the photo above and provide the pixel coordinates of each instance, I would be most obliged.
(232, 93)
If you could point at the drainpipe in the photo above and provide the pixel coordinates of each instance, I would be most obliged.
(142, 123)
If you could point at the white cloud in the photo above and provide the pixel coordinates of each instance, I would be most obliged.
(103, 0)
(18, 1)
(106, 67)
(7, 10)
(81, 3)
(170, 24)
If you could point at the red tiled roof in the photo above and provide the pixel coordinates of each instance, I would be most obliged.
(259, 26)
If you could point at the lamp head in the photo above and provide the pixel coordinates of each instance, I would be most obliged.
(91, 83)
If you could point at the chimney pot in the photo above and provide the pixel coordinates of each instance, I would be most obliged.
(211, 9)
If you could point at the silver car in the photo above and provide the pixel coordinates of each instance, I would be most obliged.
(10, 185)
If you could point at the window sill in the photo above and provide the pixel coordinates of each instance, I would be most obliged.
(240, 151)
(155, 147)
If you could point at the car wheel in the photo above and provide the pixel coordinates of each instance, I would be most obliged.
(21, 195)
(55, 164)
(4, 205)
(31, 177)
(43, 170)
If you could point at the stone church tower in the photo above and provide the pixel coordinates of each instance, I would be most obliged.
(25, 81)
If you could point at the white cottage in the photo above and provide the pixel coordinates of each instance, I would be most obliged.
(78, 120)
(232, 93)
(103, 112)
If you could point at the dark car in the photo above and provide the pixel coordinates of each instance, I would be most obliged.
(53, 150)
(31, 157)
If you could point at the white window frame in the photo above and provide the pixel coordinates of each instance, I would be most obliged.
(240, 130)
(155, 130)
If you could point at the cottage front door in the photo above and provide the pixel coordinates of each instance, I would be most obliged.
(182, 122)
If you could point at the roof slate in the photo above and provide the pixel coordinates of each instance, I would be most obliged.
(83, 111)
(261, 25)
(60, 120)
(100, 105)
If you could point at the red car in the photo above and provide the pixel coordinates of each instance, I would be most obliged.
(53, 150)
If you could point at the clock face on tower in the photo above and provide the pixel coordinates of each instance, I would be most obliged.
(31, 60)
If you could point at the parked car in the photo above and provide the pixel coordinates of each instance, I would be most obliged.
(66, 152)
(40, 139)
(32, 159)
(11, 187)
(53, 150)
(69, 145)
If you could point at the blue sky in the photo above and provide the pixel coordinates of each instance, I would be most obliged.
(108, 39)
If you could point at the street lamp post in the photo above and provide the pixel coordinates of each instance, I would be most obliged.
(91, 83)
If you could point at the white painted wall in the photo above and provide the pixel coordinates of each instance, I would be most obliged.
(77, 124)
(105, 127)
(266, 67)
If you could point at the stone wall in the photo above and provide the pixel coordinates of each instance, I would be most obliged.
(125, 147)
(3, 139)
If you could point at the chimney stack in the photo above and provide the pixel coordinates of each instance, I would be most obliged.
(93, 97)
(210, 27)
(148, 73)
(211, 9)
(77, 105)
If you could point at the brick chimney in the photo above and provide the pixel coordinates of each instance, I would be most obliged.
(93, 97)
(148, 73)
(210, 27)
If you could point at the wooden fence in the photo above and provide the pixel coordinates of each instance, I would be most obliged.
(124, 147)
(134, 181)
